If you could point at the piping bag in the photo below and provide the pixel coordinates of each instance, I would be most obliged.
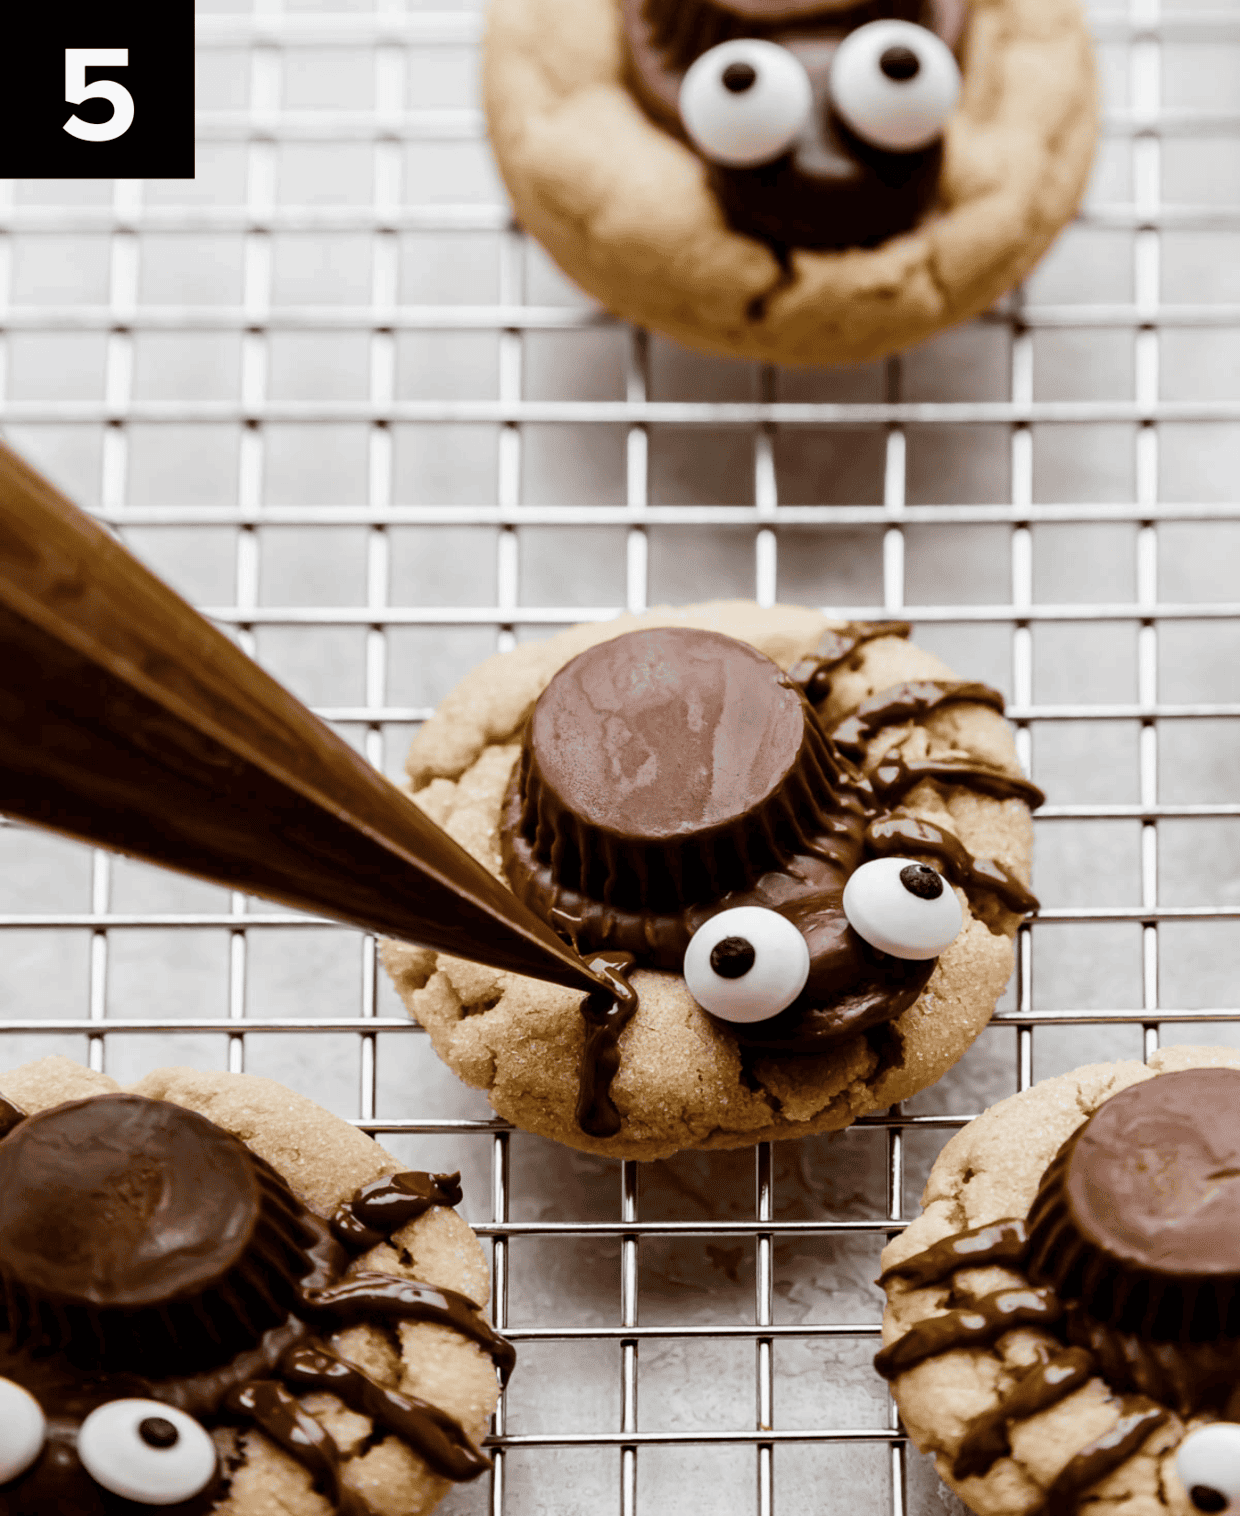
(129, 721)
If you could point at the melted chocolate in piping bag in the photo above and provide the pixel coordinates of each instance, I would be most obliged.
(127, 720)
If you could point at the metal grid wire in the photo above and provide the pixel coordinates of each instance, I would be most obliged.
(1068, 529)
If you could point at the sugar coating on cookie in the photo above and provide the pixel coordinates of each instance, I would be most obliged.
(196, 1330)
(685, 1078)
(1061, 1320)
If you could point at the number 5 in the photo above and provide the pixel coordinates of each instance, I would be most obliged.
(77, 60)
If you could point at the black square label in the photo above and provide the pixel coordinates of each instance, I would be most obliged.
(102, 91)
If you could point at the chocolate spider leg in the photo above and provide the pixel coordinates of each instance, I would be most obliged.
(900, 833)
(384, 1206)
(1044, 1385)
(276, 1413)
(813, 673)
(440, 1439)
(975, 1325)
(1138, 1417)
(1002, 1242)
(372, 1294)
(910, 701)
(895, 776)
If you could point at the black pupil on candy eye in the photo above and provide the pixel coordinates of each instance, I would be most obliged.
(1206, 1498)
(921, 881)
(732, 957)
(738, 77)
(899, 63)
(157, 1432)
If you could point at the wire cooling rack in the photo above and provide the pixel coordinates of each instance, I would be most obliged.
(335, 396)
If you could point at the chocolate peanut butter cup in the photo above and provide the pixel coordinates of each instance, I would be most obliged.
(661, 770)
(137, 1235)
(1137, 1220)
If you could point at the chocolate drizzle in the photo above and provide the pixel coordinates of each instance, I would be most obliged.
(381, 1208)
(380, 1296)
(672, 773)
(1056, 1375)
(435, 1434)
(275, 1412)
(911, 701)
(998, 1242)
(1048, 1382)
(1138, 1418)
(835, 646)
(147, 1253)
(973, 1326)
(896, 775)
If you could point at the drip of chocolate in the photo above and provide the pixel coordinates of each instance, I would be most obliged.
(146, 1253)
(381, 1208)
(606, 1014)
(127, 720)
(912, 701)
(830, 189)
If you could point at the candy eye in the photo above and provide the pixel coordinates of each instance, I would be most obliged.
(895, 84)
(22, 1430)
(902, 908)
(746, 964)
(745, 102)
(147, 1452)
(1208, 1464)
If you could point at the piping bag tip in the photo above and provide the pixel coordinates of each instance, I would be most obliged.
(129, 721)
